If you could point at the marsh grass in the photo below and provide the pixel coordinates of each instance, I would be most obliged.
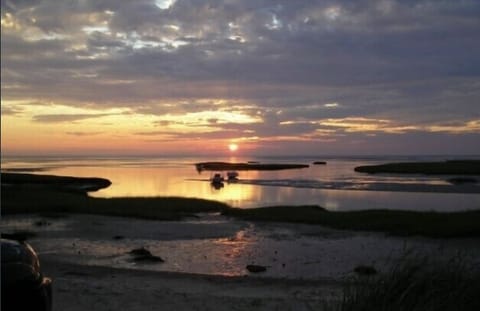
(394, 222)
(416, 283)
(458, 167)
(77, 184)
(44, 200)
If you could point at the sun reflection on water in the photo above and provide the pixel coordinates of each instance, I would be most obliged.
(236, 248)
(316, 185)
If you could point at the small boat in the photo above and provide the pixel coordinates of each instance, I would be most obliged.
(232, 176)
(217, 179)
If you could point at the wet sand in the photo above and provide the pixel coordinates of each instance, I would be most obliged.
(83, 287)
(205, 260)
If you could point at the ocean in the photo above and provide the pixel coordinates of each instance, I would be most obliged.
(334, 186)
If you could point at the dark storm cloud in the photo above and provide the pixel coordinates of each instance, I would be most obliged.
(312, 43)
(413, 62)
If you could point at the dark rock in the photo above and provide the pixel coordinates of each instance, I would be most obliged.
(118, 237)
(148, 259)
(142, 251)
(256, 268)
(365, 270)
(144, 255)
(41, 223)
(319, 163)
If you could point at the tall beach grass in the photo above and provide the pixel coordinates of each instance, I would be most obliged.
(415, 283)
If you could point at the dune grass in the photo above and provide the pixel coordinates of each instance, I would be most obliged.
(416, 283)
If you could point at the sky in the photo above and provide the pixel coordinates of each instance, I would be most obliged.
(193, 77)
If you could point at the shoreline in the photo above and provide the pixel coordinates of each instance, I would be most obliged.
(31, 195)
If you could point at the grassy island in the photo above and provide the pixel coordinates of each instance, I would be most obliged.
(27, 199)
(453, 167)
(250, 166)
(81, 184)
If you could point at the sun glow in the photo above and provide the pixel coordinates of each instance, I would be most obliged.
(233, 147)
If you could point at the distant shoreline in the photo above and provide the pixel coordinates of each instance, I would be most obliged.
(81, 184)
(451, 167)
(251, 166)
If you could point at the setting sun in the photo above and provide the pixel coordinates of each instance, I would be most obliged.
(233, 147)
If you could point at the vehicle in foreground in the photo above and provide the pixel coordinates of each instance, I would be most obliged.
(23, 285)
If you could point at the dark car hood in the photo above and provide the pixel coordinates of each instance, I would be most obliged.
(19, 263)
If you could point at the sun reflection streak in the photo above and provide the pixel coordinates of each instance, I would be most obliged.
(237, 247)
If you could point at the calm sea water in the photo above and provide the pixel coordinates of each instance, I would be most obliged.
(335, 186)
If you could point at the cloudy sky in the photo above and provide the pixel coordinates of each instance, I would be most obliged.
(274, 77)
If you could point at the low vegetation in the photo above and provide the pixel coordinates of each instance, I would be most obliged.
(43, 200)
(80, 184)
(457, 167)
(395, 222)
(250, 166)
(416, 284)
